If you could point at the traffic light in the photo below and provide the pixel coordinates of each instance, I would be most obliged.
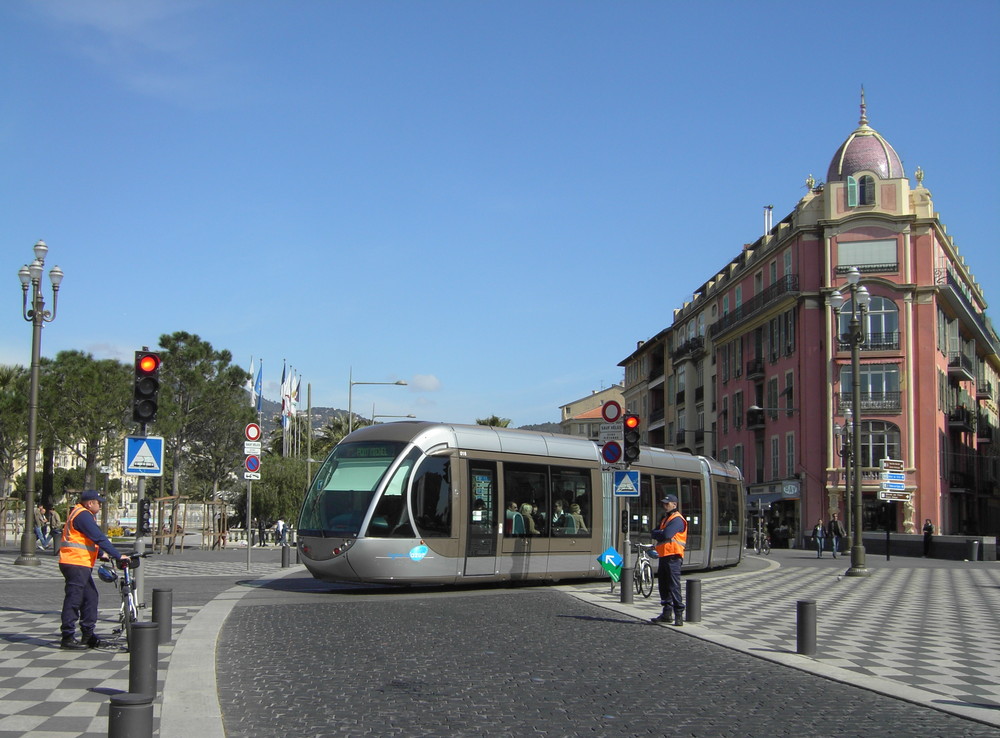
(630, 449)
(145, 521)
(624, 523)
(146, 387)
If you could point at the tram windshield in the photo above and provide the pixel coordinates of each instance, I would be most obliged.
(344, 486)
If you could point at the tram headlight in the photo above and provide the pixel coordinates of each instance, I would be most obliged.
(342, 548)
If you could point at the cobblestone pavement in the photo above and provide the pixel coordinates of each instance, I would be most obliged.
(519, 661)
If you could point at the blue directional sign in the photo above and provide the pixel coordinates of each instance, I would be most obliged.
(144, 456)
(899, 486)
(626, 483)
(611, 562)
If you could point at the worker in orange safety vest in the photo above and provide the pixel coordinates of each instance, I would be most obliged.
(671, 538)
(81, 539)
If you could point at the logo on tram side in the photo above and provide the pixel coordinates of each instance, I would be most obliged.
(416, 553)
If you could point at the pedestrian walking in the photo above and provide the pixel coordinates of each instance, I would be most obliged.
(819, 536)
(671, 537)
(41, 527)
(280, 530)
(928, 537)
(81, 538)
(55, 527)
(835, 529)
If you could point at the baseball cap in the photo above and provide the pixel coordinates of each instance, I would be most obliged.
(91, 494)
(669, 498)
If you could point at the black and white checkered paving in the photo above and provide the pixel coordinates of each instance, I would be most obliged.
(46, 692)
(934, 630)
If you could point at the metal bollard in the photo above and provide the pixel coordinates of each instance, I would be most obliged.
(286, 556)
(297, 559)
(694, 600)
(142, 658)
(130, 716)
(163, 605)
(972, 550)
(806, 627)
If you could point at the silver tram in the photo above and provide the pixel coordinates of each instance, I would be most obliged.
(418, 502)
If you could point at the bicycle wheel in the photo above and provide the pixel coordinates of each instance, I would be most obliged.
(766, 547)
(645, 578)
(756, 545)
(128, 615)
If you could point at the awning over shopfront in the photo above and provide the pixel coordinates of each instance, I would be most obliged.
(766, 494)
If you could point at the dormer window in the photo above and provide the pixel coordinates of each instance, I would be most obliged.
(860, 191)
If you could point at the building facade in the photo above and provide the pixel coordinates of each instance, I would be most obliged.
(756, 368)
(583, 417)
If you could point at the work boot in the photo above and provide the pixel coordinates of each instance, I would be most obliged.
(70, 643)
(92, 641)
(679, 618)
(663, 617)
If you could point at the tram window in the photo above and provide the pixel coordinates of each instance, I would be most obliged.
(431, 497)
(570, 514)
(391, 518)
(692, 507)
(729, 509)
(526, 491)
(344, 486)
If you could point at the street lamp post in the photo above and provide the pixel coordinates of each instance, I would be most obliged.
(856, 335)
(846, 452)
(35, 313)
(350, 397)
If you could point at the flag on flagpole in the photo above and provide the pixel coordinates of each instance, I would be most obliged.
(295, 395)
(258, 386)
(284, 396)
(249, 383)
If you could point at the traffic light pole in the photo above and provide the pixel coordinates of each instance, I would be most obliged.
(627, 590)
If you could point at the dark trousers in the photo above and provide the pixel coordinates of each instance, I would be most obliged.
(668, 576)
(79, 601)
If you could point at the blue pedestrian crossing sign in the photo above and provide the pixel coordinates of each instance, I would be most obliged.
(626, 483)
(144, 455)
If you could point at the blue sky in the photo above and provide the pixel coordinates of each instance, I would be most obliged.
(459, 194)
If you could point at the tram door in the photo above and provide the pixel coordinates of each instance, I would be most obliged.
(481, 526)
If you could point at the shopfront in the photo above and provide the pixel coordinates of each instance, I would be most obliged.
(776, 505)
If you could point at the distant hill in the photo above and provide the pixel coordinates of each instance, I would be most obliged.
(323, 415)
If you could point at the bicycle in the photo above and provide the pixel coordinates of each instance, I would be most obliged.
(128, 612)
(642, 570)
(761, 543)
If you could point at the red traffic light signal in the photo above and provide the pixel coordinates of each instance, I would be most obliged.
(631, 421)
(146, 363)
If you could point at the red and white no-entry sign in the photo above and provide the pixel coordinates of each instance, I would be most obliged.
(611, 411)
(253, 432)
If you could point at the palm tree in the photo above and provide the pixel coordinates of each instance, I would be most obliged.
(494, 421)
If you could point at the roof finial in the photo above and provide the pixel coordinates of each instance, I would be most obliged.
(864, 109)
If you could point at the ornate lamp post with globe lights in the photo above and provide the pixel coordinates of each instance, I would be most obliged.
(33, 310)
(859, 298)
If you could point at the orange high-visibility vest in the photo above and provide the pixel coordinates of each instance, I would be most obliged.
(76, 549)
(676, 546)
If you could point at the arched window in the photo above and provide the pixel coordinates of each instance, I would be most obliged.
(879, 440)
(882, 325)
(866, 190)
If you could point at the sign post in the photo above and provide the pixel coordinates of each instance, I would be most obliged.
(251, 448)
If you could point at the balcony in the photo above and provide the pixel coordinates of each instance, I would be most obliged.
(692, 349)
(961, 367)
(786, 286)
(656, 415)
(755, 369)
(984, 431)
(984, 390)
(875, 403)
(961, 419)
(755, 419)
(873, 342)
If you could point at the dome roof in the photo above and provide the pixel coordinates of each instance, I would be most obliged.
(864, 150)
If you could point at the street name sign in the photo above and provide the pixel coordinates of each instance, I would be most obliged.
(611, 432)
(890, 496)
